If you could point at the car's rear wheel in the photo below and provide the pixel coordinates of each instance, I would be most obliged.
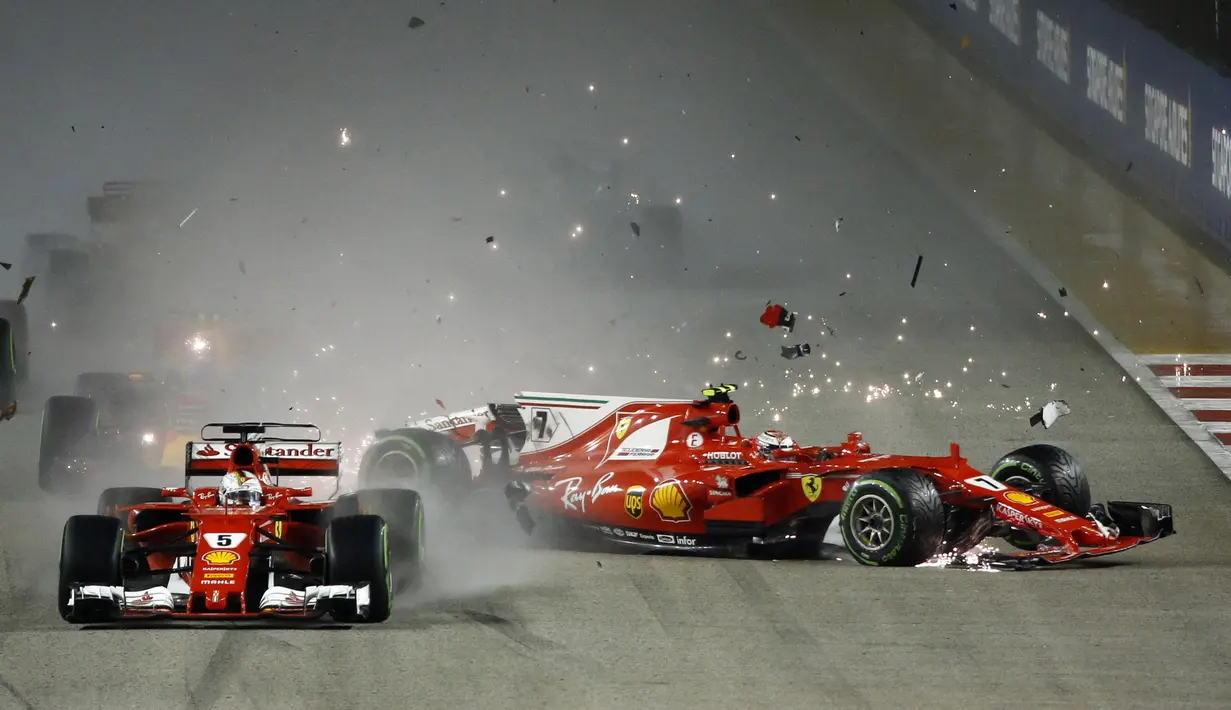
(416, 457)
(893, 518)
(357, 554)
(1046, 472)
(89, 555)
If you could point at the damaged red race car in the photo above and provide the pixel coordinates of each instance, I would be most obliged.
(678, 475)
(248, 547)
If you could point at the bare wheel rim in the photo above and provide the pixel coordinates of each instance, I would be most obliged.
(872, 522)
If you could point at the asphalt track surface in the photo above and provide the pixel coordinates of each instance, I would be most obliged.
(509, 627)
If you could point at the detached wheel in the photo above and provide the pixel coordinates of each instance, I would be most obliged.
(415, 457)
(893, 518)
(402, 511)
(90, 555)
(357, 554)
(1046, 472)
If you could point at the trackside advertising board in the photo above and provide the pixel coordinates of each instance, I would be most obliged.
(1124, 90)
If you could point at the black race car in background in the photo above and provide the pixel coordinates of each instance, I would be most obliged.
(114, 422)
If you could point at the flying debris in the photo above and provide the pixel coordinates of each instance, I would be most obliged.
(415, 23)
(739, 355)
(790, 352)
(6, 265)
(777, 316)
(918, 263)
(1050, 413)
(441, 405)
(636, 228)
(25, 289)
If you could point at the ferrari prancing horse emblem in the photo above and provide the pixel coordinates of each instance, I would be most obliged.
(812, 487)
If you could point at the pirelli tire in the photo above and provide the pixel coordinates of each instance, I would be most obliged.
(893, 518)
(417, 458)
(90, 553)
(17, 344)
(8, 368)
(1046, 472)
(357, 553)
(402, 510)
(66, 421)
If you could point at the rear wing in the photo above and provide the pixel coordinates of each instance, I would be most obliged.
(281, 451)
(478, 425)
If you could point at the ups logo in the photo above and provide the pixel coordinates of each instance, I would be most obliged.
(633, 501)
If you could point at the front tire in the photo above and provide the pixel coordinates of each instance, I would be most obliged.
(89, 554)
(402, 510)
(1046, 472)
(357, 554)
(893, 518)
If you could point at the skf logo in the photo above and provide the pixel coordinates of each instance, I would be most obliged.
(812, 487)
(671, 503)
(1019, 497)
(622, 426)
(633, 501)
(220, 557)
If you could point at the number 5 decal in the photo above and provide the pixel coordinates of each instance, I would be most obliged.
(987, 482)
(224, 541)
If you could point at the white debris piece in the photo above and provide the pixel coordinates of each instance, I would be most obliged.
(1050, 412)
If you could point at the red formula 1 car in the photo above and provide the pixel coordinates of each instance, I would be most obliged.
(670, 474)
(246, 548)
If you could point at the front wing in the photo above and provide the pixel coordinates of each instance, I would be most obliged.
(277, 602)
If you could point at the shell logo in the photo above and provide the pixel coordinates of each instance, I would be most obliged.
(1021, 498)
(671, 503)
(220, 557)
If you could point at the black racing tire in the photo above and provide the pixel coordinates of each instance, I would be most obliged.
(90, 553)
(905, 506)
(357, 553)
(1046, 472)
(402, 509)
(415, 457)
(66, 421)
(8, 366)
(18, 344)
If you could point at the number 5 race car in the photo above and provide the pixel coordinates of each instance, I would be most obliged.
(256, 549)
(671, 474)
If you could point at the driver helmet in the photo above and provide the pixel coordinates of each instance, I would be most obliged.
(242, 483)
(769, 442)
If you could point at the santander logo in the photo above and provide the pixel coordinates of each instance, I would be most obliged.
(272, 450)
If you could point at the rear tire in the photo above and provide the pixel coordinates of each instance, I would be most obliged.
(66, 421)
(90, 554)
(893, 518)
(357, 553)
(415, 457)
(1046, 472)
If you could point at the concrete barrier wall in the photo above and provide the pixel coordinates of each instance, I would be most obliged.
(1136, 100)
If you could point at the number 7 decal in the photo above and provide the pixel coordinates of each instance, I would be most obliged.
(987, 483)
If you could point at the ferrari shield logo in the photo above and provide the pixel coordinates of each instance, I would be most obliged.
(622, 426)
(812, 487)
(633, 501)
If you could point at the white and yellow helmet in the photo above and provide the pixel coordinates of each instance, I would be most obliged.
(773, 440)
